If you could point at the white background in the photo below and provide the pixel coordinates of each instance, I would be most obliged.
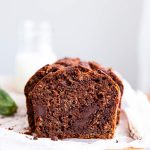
(102, 30)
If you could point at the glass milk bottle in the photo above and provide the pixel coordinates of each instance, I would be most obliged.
(34, 52)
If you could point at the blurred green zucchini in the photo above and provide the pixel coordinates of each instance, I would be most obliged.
(7, 105)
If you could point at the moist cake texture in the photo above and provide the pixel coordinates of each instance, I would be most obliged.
(73, 99)
(37, 77)
(110, 72)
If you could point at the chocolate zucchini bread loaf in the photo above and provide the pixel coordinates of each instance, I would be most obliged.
(72, 99)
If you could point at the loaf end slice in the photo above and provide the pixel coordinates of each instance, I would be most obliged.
(75, 102)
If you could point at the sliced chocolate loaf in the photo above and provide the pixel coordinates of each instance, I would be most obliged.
(75, 102)
(51, 70)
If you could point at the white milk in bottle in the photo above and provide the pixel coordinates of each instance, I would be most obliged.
(34, 52)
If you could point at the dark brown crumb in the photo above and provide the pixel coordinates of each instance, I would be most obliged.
(35, 137)
(54, 138)
(10, 128)
(117, 141)
(27, 131)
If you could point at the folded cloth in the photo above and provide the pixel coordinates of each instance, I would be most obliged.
(137, 107)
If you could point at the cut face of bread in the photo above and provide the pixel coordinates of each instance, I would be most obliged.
(75, 102)
(115, 78)
(52, 70)
(37, 77)
(30, 85)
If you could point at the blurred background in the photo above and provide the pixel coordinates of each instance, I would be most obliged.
(114, 33)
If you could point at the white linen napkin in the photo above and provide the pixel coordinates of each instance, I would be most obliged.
(137, 107)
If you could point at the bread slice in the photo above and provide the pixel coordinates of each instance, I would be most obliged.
(75, 102)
